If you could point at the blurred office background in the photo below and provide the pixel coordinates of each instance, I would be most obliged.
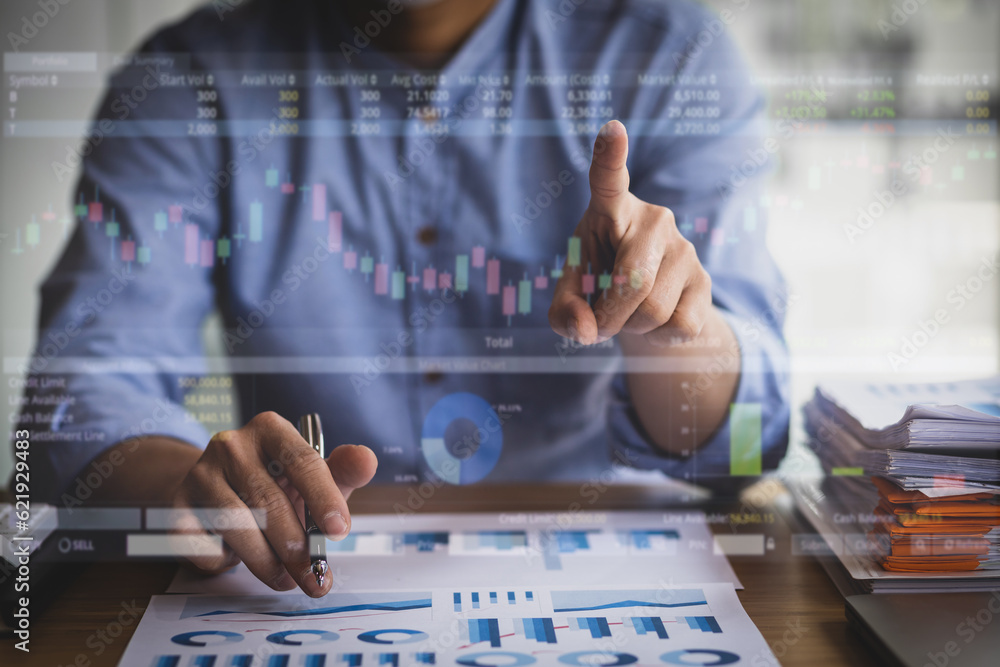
(859, 288)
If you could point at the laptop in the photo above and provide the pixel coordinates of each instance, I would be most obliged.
(929, 629)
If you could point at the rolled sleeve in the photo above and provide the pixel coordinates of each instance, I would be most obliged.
(66, 473)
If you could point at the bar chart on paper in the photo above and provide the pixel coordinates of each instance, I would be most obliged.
(484, 600)
(597, 626)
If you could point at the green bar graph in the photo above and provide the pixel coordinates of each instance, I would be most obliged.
(224, 248)
(847, 471)
(398, 284)
(573, 256)
(367, 264)
(144, 255)
(744, 439)
(604, 281)
(524, 297)
(462, 273)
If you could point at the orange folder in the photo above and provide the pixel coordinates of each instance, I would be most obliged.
(895, 495)
(922, 564)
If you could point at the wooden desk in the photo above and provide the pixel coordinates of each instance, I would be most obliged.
(797, 608)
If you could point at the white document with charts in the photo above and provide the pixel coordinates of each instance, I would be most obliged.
(610, 588)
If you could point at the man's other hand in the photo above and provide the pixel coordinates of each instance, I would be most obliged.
(659, 288)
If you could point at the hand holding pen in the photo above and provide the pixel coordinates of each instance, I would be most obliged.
(312, 430)
(252, 487)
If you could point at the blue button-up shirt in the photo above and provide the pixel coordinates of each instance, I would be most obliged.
(382, 242)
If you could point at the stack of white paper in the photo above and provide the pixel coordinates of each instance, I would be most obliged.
(963, 415)
(941, 438)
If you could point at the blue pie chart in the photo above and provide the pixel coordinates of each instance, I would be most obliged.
(496, 659)
(587, 658)
(191, 638)
(285, 637)
(392, 636)
(702, 657)
(478, 451)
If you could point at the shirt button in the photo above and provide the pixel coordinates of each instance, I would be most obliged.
(427, 235)
(433, 377)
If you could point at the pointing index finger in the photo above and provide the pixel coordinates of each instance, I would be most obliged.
(609, 178)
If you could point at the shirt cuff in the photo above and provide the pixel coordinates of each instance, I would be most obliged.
(65, 454)
(763, 381)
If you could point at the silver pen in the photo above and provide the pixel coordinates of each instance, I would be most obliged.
(312, 431)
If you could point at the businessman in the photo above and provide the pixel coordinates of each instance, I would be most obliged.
(688, 308)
